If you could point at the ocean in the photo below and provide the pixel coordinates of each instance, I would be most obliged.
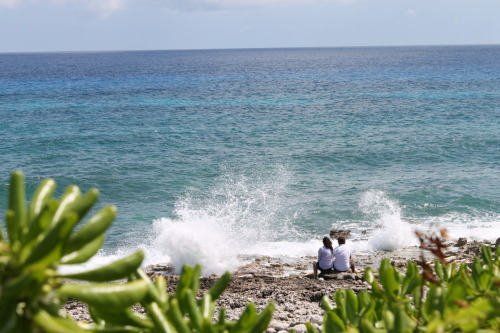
(214, 154)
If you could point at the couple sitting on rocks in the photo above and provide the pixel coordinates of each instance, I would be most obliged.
(332, 260)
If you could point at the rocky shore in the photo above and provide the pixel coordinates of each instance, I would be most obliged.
(290, 286)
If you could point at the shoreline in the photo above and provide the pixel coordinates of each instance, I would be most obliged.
(290, 286)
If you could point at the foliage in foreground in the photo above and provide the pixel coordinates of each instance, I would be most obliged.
(457, 298)
(43, 237)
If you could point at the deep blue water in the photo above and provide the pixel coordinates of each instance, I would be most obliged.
(273, 143)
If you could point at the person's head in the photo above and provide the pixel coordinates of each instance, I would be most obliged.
(341, 240)
(327, 242)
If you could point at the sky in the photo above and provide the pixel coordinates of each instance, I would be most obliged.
(109, 25)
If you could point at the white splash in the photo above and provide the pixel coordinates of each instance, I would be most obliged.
(392, 232)
(241, 213)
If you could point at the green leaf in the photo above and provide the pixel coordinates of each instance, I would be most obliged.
(220, 286)
(83, 204)
(246, 318)
(368, 275)
(340, 302)
(207, 307)
(123, 317)
(327, 303)
(457, 290)
(175, 315)
(262, 320)
(388, 279)
(389, 319)
(114, 271)
(39, 227)
(107, 295)
(40, 200)
(66, 203)
(17, 205)
(160, 320)
(403, 323)
(161, 287)
(192, 310)
(49, 250)
(486, 255)
(52, 324)
(333, 323)
(438, 268)
(351, 302)
(412, 279)
(185, 281)
(94, 227)
(18, 286)
(86, 252)
(310, 328)
(8, 316)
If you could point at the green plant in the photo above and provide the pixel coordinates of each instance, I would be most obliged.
(42, 237)
(457, 299)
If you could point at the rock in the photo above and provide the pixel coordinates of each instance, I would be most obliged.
(336, 233)
(270, 330)
(461, 242)
(300, 312)
(300, 328)
(283, 316)
(451, 259)
(345, 276)
(497, 243)
(316, 319)
(279, 325)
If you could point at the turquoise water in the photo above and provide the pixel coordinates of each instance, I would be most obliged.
(208, 154)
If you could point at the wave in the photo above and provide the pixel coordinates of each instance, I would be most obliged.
(238, 216)
(248, 215)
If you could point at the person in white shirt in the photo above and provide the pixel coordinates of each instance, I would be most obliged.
(325, 258)
(343, 258)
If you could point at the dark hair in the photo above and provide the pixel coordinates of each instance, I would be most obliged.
(341, 239)
(327, 242)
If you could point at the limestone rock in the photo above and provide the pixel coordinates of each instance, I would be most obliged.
(300, 328)
(336, 233)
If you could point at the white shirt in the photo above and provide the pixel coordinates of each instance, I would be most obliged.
(325, 258)
(342, 254)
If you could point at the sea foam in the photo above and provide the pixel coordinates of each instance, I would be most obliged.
(240, 216)
(391, 231)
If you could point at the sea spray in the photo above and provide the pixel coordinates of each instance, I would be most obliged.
(239, 214)
(391, 231)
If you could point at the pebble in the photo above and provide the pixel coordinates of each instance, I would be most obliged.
(279, 325)
(300, 328)
(316, 320)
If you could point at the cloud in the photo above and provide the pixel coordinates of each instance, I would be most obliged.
(410, 12)
(100, 8)
(104, 8)
(213, 5)
(9, 3)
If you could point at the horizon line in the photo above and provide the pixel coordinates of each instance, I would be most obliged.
(247, 48)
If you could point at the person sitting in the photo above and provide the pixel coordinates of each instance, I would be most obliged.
(325, 258)
(343, 257)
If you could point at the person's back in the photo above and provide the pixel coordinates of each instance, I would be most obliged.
(343, 260)
(325, 258)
